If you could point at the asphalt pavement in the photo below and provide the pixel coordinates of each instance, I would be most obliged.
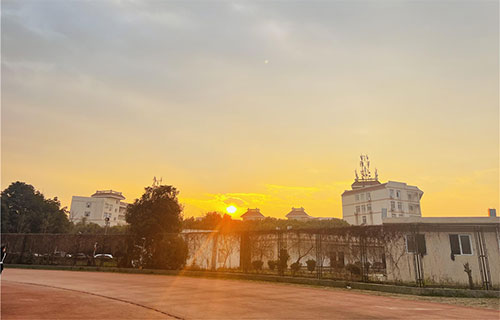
(47, 294)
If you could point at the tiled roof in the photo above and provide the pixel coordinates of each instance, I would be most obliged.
(252, 213)
(297, 212)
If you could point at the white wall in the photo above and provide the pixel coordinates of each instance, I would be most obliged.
(438, 266)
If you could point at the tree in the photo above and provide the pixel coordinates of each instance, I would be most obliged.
(154, 222)
(84, 227)
(26, 210)
(211, 221)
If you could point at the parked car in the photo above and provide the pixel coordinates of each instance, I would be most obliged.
(79, 255)
(59, 253)
(105, 256)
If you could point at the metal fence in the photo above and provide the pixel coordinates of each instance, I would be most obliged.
(349, 253)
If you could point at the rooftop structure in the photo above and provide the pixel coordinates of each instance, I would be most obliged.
(298, 214)
(252, 214)
(428, 221)
(108, 194)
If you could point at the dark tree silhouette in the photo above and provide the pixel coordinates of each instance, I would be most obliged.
(154, 221)
(26, 210)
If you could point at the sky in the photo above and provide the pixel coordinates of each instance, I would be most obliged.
(254, 104)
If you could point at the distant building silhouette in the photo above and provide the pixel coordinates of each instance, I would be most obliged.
(96, 208)
(298, 214)
(252, 214)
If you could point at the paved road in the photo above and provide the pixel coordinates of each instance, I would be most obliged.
(43, 294)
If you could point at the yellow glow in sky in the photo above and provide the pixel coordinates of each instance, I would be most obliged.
(125, 91)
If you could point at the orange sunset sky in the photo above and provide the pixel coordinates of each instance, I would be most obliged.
(255, 104)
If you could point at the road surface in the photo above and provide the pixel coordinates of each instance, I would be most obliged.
(45, 294)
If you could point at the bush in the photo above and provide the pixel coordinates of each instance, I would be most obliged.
(170, 253)
(353, 269)
(257, 265)
(295, 267)
(311, 265)
(272, 264)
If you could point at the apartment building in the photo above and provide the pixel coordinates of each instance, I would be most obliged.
(104, 206)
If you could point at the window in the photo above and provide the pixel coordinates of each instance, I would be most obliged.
(364, 219)
(417, 208)
(394, 215)
(363, 208)
(368, 196)
(87, 214)
(357, 209)
(88, 204)
(384, 213)
(369, 207)
(393, 205)
(460, 244)
(356, 197)
(410, 206)
(391, 193)
(400, 206)
(398, 194)
(416, 244)
(117, 201)
(362, 197)
(409, 196)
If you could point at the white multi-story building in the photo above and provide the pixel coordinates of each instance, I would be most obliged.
(370, 204)
(370, 201)
(96, 208)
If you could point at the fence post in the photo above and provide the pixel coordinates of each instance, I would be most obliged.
(23, 247)
(215, 239)
(319, 257)
(363, 257)
(245, 251)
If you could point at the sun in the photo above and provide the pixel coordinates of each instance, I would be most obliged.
(231, 209)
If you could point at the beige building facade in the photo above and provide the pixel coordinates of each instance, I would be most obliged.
(101, 206)
(436, 251)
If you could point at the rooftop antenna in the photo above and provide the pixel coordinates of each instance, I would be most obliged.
(157, 182)
(364, 170)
